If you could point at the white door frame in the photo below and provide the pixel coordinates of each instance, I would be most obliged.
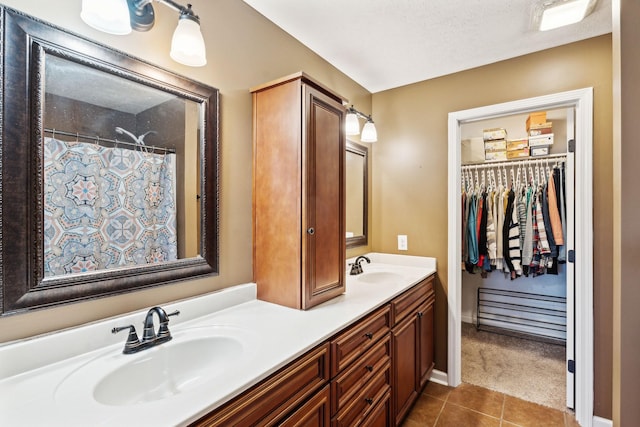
(582, 101)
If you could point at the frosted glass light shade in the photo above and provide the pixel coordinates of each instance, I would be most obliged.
(563, 14)
(109, 16)
(352, 124)
(187, 45)
(369, 133)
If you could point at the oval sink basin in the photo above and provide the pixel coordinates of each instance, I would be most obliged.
(167, 371)
(380, 277)
(190, 359)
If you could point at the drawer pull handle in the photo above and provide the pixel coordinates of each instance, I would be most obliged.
(369, 335)
(369, 368)
(369, 400)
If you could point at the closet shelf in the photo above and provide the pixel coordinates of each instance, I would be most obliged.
(513, 162)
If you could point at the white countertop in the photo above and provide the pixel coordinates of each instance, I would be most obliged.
(32, 370)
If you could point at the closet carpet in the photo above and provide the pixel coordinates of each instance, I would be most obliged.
(531, 370)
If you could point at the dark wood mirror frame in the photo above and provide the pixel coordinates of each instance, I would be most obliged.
(363, 151)
(26, 43)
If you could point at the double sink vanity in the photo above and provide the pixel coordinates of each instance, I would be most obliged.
(233, 356)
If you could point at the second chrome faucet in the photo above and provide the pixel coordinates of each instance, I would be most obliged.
(149, 336)
(356, 267)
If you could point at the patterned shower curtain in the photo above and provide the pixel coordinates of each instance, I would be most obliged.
(106, 207)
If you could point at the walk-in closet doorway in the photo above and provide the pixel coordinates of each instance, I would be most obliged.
(579, 298)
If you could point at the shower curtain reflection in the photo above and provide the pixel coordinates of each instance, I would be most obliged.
(106, 207)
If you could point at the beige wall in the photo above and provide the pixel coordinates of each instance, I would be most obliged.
(409, 162)
(244, 50)
(626, 233)
(410, 167)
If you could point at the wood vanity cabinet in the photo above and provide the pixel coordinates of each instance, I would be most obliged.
(294, 396)
(367, 375)
(412, 345)
(361, 372)
(298, 192)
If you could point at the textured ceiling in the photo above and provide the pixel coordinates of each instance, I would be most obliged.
(383, 44)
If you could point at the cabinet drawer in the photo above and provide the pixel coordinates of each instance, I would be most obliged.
(279, 394)
(364, 402)
(314, 413)
(351, 344)
(380, 416)
(408, 302)
(350, 381)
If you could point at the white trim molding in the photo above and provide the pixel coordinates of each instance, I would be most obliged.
(601, 422)
(582, 101)
(439, 377)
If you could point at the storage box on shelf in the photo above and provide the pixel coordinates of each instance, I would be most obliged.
(540, 151)
(495, 144)
(517, 148)
(536, 118)
(518, 154)
(494, 134)
(541, 129)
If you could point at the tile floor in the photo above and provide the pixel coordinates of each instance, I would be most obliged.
(470, 406)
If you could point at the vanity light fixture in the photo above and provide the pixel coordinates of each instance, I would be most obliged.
(553, 14)
(120, 17)
(352, 125)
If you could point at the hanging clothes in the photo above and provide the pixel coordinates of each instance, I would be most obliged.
(516, 225)
(554, 211)
(472, 236)
(527, 244)
(562, 253)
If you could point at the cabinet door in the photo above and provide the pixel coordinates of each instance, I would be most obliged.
(323, 198)
(405, 366)
(314, 413)
(425, 334)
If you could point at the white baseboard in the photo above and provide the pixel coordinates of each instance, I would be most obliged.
(601, 422)
(439, 377)
(467, 319)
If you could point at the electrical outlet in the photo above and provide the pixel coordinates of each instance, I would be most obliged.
(403, 243)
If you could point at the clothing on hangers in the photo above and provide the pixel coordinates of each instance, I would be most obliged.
(509, 223)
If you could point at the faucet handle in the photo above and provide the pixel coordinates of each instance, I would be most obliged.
(133, 343)
(163, 330)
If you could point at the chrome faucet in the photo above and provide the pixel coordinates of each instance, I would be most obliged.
(356, 267)
(149, 336)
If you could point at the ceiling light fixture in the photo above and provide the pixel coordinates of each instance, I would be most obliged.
(352, 125)
(120, 17)
(559, 13)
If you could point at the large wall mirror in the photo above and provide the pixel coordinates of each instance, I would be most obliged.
(357, 160)
(109, 170)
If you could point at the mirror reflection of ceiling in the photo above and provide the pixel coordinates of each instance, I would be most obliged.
(71, 80)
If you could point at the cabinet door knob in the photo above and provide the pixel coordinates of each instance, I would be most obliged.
(369, 368)
(311, 231)
(369, 400)
(420, 314)
(369, 335)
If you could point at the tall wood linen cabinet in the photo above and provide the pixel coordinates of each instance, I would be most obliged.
(298, 192)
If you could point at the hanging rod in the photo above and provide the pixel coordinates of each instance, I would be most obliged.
(515, 162)
(112, 141)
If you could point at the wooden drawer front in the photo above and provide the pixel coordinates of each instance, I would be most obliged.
(408, 302)
(351, 344)
(351, 380)
(279, 394)
(314, 412)
(364, 402)
(380, 416)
